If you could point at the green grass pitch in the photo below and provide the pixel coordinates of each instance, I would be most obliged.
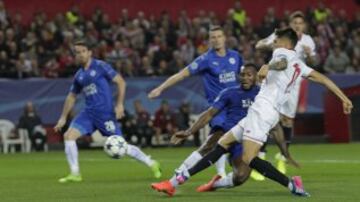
(330, 173)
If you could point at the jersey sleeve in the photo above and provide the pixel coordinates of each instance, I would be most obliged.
(270, 39)
(75, 87)
(109, 72)
(312, 46)
(221, 100)
(199, 64)
(279, 54)
(305, 70)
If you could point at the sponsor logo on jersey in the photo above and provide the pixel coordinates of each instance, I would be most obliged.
(227, 77)
(246, 103)
(90, 89)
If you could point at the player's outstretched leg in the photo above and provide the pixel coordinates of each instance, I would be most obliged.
(265, 168)
(136, 153)
(71, 152)
(255, 174)
(220, 166)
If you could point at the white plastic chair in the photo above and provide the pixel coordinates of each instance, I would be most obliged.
(7, 129)
(27, 142)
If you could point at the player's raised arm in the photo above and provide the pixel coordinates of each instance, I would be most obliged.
(68, 105)
(121, 86)
(169, 82)
(204, 118)
(266, 43)
(322, 79)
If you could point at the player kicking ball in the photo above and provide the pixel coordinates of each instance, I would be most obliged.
(218, 68)
(305, 50)
(284, 69)
(94, 79)
(234, 101)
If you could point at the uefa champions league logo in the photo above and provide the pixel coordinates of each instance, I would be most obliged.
(194, 66)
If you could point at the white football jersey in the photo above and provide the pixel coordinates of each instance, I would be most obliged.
(278, 85)
(305, 40)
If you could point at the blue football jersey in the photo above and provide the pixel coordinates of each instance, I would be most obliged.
(235, 101)
(217, 72)
(96, 84)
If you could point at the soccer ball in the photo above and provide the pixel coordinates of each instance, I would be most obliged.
(115, 146)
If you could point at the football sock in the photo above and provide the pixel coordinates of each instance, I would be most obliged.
(189, 162)
(225, 182)
(220, 166)
(208, 160)
(71, 152)
(265, 168)
(137, 154)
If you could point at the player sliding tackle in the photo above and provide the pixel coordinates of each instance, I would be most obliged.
(218, 68)
(235, 101)
(284, 69)
(94, 79)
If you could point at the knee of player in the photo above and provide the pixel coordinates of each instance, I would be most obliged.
(224, 143)
(287, 122)
(70, 135)
(239, 178)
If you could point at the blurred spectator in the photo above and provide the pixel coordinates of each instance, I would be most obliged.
(128, 127)
(321, 13)
(337, 61)
(146, 69)
(183, 120)
(128, 43)
(164, 122)
(144, 125)
(239, 17)
(3, 15)
(30, 121)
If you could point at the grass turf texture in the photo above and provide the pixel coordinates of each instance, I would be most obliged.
(330, 173)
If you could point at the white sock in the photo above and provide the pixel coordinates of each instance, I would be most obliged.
(220, 166)
(71, 152)
(225, 182)
(136, 153)
(189, 162)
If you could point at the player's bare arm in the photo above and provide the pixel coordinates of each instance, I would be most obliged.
(121, 86)
(204, 118)
(263, 45)
(310, 59)
(68, 105)
(320, 78)
(184, 73)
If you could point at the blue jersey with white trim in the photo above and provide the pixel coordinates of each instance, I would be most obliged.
(96, 84)
(217, 72)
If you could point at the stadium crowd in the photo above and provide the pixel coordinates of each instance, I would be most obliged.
(149, 46)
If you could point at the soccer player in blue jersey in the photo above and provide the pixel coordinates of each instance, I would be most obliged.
(218, 68)
(94, 79)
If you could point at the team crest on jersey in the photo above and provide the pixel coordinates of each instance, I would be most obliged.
(92, 73)
(215, 63)
(232, 61)
(194, 66)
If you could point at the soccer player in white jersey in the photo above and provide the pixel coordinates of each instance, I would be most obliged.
(281, 75)
(305, 50)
